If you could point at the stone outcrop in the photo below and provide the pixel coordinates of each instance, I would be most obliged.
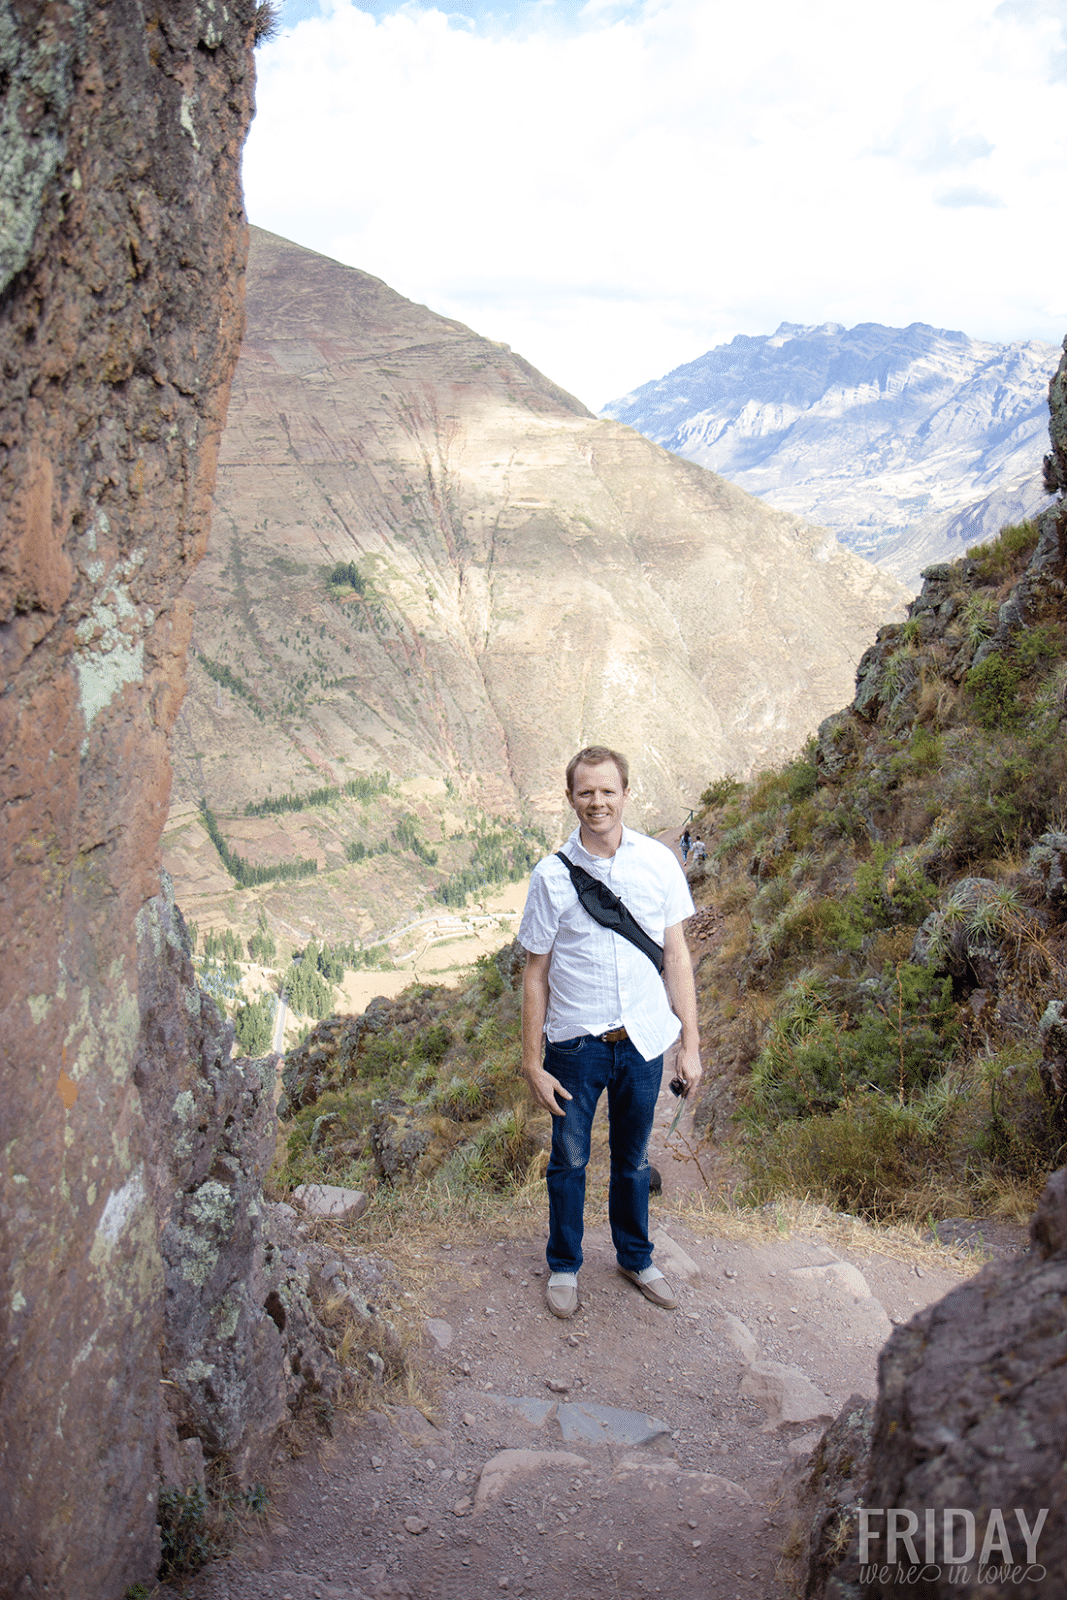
(120, 320)
(210, 1127)
(1055, 464)
(970, 1418)
(891, 672)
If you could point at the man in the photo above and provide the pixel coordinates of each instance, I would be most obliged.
(603, 1016)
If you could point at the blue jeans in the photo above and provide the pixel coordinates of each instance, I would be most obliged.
(586, 1067)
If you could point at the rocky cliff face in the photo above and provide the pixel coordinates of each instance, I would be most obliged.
(909, 443)
(120, 319)
(525, 578)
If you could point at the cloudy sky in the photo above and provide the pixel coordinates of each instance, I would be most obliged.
(613, 188)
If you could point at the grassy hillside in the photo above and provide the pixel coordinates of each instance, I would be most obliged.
(892, 916)
(424, 1088)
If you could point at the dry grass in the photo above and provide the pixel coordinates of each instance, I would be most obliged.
(807, 1218)
(1016, 1201)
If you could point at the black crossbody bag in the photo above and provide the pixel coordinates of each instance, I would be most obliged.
(606, 908)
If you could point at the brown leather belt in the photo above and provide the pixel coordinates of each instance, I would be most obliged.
(614, 1036)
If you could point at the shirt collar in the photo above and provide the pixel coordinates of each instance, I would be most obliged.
(574, 843)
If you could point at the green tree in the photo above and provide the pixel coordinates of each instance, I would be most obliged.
(254, 1023)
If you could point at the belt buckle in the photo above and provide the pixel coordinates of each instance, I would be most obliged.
(614, 1036)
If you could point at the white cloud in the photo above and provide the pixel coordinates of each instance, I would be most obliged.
(614, 188)
(968, 194)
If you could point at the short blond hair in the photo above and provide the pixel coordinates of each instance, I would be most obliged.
(592, 756)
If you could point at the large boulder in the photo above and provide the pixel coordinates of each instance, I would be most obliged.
(1046, 869)
(966, 1456)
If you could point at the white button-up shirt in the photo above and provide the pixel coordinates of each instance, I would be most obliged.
(596, 979)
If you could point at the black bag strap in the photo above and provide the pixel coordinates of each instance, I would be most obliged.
(606, 908)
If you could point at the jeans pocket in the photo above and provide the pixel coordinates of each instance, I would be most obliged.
(566, 1047)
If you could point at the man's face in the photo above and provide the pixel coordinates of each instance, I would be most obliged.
(598, 798)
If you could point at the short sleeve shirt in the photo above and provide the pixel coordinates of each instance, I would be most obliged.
(597, 980)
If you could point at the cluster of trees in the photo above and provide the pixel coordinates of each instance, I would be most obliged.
(306, 987)
(356, 850)
(223, 946)
(254, 1023)
(348, 576)
(495, 859)
(407, 835)
(242, 871)
(366, 788)
(229, 680)
(216, 969)
(261, 946)
(355, 957)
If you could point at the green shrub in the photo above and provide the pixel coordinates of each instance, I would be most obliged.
(1005, 554)
(432, 1044)
(891, 888)
(863, 1157)
(721, 791)
(1019, 1132)
(1035, 649)
(501, 1156)
(800, 776)
(817, 1056)
(381, 1055)
(490, 978)
(1009, 790)
(188, 1536)
(924, 754)
(993, 687)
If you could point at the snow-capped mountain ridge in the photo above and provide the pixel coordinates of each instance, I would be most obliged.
(892, 437)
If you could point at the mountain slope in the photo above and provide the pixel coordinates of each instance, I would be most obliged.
(909, 443)
(519, 577)
(894, 922)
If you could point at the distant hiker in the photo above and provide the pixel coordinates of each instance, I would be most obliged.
(683, 844)
(699, 851)
(598, 929)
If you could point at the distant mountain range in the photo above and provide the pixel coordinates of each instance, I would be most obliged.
(908, 443)
(427, 560)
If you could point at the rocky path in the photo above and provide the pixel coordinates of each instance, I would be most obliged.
(626, 1453)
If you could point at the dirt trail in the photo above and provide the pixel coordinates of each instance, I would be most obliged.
(626, 1453)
